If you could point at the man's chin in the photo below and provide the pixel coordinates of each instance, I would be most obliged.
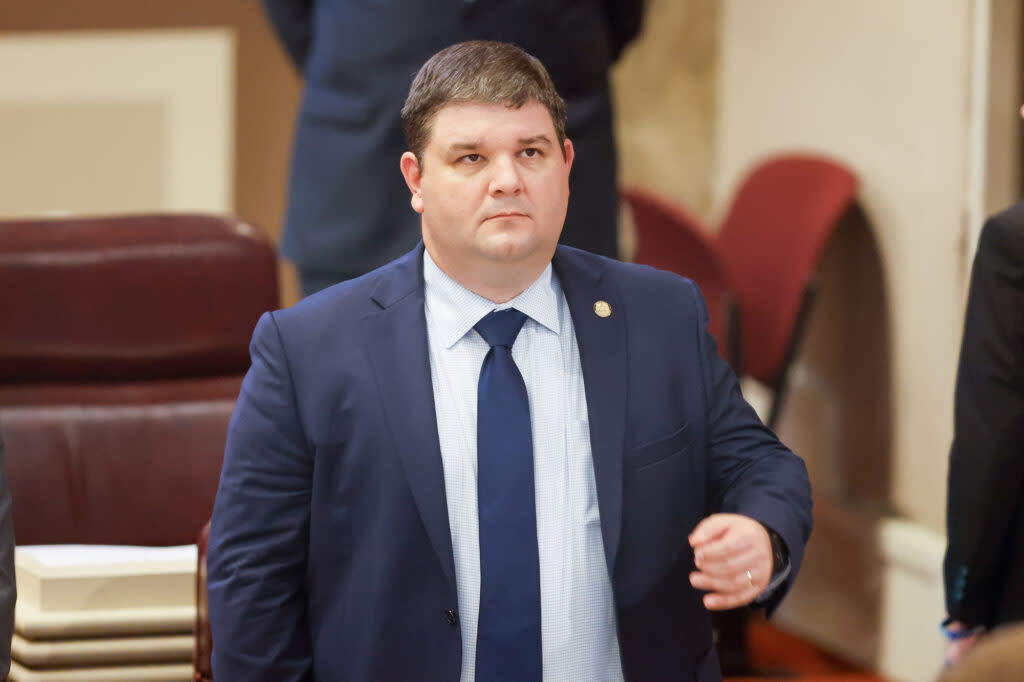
(509, 248)
(505, 252)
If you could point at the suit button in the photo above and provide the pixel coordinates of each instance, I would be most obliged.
(451, 617)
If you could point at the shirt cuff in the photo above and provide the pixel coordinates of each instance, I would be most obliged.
(781, 568)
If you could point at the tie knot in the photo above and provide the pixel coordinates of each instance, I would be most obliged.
(501, 327)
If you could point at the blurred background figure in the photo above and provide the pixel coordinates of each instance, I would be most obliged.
(348, 211)
(984, 565)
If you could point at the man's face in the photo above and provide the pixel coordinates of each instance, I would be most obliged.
(493, 187)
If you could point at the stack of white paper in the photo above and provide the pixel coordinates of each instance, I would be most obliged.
(91, 612)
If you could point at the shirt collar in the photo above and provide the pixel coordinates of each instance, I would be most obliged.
(455, 309)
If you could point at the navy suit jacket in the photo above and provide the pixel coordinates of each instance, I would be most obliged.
(348, 207)
(330, 554)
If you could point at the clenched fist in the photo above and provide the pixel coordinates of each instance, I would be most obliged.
(733, 554)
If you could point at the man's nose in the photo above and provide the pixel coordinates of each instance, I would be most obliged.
(506, 178)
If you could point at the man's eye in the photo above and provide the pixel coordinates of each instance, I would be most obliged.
(531, 152)
(470, 158)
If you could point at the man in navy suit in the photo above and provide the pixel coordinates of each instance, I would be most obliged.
(353, 536)
(345, 212)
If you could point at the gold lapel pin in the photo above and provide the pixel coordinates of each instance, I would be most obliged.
(602, 308)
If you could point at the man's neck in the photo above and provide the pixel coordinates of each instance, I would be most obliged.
(498, 283)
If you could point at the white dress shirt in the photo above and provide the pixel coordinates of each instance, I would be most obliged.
(578, 635)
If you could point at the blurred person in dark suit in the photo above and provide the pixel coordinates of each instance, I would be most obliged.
(984, 565)
(348, 211)
(8, 591)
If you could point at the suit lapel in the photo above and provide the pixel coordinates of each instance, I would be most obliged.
(396, 341)
(602, 345)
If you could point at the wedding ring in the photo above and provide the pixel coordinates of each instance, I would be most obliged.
(750, 578)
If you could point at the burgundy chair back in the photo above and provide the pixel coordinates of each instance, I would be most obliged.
(121, 354)
(670, 238)
(772, 241)
(130, 298)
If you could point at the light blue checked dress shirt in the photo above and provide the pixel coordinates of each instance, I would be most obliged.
(578, 638)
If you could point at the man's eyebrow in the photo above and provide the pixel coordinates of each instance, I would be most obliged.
(535, 140)
(463, 147)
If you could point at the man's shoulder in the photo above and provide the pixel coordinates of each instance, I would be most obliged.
(359, 296)
(328, 320)
(339, 300)
(655, 301)
(1011, 219)
(1012, 216)
(630, 278)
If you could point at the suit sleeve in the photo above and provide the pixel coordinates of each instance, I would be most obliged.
(259, 533)
(293, 22)
(750, 471)
(986, 465)
(8, 591)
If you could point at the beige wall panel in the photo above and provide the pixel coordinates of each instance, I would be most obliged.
(81, 157)
(665, 102)
(188, 73)
(1003, 144)
(994, 156)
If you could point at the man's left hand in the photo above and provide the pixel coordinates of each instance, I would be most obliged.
(733, 554)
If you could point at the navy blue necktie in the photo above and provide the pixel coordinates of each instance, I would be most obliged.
(508, 646)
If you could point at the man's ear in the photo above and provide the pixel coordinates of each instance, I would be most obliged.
(570, 153)
(410, 166)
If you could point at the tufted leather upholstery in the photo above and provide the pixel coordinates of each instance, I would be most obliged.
(123, 342)
(122, 345)
(130, 298)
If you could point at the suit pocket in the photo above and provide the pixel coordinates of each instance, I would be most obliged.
(662, 448)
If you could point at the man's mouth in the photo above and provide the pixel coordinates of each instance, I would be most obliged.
(507, 214)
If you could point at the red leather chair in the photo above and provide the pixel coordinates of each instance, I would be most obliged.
(669, 238)
(123, 345)
(762, 260)
(771, 242)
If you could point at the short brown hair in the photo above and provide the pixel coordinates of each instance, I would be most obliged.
(483, 71)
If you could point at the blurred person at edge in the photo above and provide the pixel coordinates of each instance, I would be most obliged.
(8, 590)
(347, 211)
(984, 564)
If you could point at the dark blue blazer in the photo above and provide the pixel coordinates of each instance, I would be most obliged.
(348, 206)
(984, 564)
(330, 554)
